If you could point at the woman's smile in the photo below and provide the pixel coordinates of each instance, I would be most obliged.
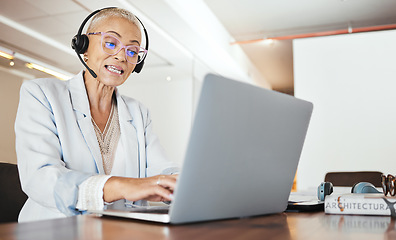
(114, 69)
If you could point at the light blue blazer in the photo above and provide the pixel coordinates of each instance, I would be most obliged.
(57, 148)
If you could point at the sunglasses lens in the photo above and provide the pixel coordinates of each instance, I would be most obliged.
(384, 184)
(391, 185)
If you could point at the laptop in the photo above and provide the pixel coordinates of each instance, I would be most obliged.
(241, 158)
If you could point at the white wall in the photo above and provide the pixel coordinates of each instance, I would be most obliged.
(351, 79)
(171, 103)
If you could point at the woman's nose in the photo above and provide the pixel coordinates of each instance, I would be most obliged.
(121, 55)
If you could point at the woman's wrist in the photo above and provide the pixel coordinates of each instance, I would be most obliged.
(112, 190)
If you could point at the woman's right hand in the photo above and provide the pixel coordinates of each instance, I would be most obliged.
(157, 188)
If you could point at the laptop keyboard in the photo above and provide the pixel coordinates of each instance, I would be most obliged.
(154, 210)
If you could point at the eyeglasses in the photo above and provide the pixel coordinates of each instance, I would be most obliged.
(111, 45)
(388, 184)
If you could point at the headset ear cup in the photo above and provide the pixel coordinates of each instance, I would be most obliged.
(328, 188)
(324, 189)
(364, 187)
(74, 43)
(80, 43)
(85, 43)
(139, 66)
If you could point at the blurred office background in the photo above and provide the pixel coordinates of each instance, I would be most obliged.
(339, 54)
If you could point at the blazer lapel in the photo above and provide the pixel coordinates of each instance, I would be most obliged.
(79, 99)
(129, 139)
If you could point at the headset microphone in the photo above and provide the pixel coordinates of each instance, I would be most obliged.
(88, 68)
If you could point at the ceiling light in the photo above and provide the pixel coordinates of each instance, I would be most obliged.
(6, 53)
(48, 71)
(168, 78)
(17, 72)
(33, 64)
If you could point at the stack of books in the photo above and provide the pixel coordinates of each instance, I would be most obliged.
(360, 204)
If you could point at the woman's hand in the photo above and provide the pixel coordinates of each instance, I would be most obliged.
(157, 188)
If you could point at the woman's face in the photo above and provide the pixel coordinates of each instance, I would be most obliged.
(112, 70)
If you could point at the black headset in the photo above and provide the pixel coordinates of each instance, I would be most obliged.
(80, 43)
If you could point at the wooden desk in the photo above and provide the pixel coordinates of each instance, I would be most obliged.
(279, 226)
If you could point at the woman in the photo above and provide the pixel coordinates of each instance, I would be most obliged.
(80, 144)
